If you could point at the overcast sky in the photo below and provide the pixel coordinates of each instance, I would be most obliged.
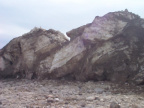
(20, 16)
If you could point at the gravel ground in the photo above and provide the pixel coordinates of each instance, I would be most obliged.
(68, 94)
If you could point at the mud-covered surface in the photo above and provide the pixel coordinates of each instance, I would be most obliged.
(66, 94)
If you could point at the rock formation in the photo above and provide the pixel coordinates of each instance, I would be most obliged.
(31, 53)
(110, 48)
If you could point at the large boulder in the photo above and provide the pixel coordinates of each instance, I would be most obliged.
(30, 55)
(113, 48)
(110, 48)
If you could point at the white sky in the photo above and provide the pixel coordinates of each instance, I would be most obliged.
(20, 16)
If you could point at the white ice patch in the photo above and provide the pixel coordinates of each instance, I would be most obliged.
(67, 38)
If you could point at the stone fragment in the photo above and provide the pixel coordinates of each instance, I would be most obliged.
(114, 105)
(90, 98)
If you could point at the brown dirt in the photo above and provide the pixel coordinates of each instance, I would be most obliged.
(67, 94)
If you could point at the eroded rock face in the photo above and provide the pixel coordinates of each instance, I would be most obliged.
(31, 53)
(114, 48)
(109, 48)
(117, 59)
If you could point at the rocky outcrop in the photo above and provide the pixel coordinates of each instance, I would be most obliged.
(114, 46)
(27, 55)
(110, 48)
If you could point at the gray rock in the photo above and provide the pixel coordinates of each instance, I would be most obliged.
(110, 48)
(82, 104)
(108, 54)
(99, 90)
(57, 99)
(50, 100)
(31, 55)
(90, 98)
(139, 79)
(114, 105)
(134, 106)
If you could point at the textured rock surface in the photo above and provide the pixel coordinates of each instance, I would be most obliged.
(110, 48)
(31, 53)
(114, 105)
(114, 48)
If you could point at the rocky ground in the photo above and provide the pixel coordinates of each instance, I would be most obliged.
(67, 94)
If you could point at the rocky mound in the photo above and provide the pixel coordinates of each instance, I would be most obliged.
(110, 48)
(30, 54)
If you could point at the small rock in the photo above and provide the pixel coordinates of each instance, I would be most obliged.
(50, 96)
(126, 10)
(29, 107)
(140, 98)
(57, 99)
(102, 100)
(82, 104)
(50, 100)
(99, 90)
(50, 91)
(114, 105)
(97, 98)
(0, 103)
(91, 98)
(134, 106)
(66, 102)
